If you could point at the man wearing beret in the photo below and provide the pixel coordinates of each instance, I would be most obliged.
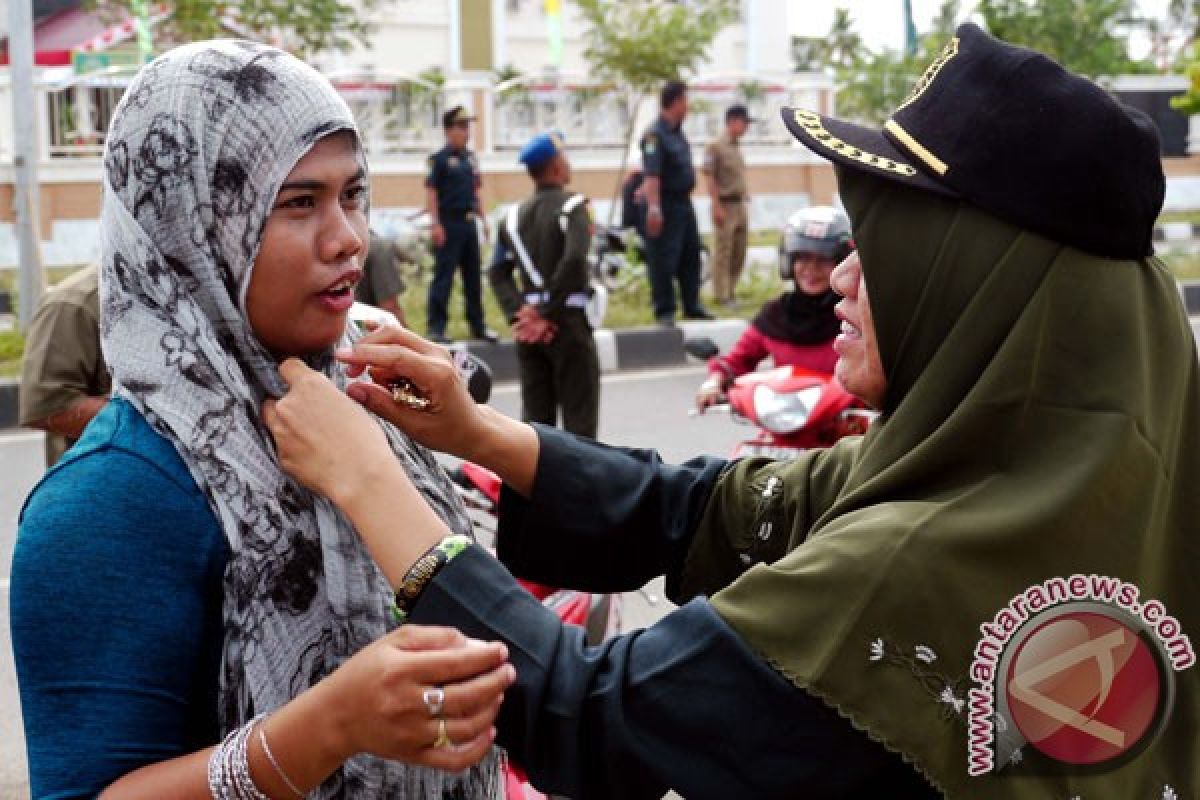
(546, 239)
(452, 198)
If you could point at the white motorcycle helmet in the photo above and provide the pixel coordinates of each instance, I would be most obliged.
(823, 230)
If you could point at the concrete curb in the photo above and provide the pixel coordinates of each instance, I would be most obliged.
(633, 348)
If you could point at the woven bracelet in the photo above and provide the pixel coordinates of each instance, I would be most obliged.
(423, 571)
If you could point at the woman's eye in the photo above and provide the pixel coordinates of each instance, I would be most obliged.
(356, 195)
(299, 201)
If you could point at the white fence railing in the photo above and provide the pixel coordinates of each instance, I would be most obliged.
(400, 115)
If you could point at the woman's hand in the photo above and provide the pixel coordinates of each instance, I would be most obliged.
(324, 439)
(452, 423)
(380, 696)
(709, 394)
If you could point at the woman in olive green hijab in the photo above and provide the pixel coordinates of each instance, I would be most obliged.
(987, 596)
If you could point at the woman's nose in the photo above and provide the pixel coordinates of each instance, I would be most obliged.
(342, 240)
(844, 277)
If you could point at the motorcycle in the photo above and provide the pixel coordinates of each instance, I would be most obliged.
(618, 258)
(795, 409)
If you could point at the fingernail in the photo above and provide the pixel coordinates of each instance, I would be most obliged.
(343, 352)
(511, 671)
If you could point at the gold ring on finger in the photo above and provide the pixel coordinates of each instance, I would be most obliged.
(405, 393)
(435, 701)
(443, 738)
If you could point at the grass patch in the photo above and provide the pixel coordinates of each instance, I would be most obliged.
(1185, 266)
(627, 308)
(12, 346)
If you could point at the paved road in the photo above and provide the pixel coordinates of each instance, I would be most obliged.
(645, 409)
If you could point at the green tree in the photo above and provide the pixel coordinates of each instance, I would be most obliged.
(871, 84)
(841, 48)
(304, 27)
(638, 45)
(1086, 36)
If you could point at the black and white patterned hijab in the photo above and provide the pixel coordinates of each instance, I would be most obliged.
(198, 148)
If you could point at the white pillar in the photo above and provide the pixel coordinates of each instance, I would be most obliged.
(455, 32)
(499, 33)
(25, 157)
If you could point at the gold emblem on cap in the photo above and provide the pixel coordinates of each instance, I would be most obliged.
(931, 72)
(811, 123)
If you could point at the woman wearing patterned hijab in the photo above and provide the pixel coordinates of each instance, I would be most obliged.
(172, 587)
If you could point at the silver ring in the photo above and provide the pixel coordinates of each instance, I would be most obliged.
(435, 700)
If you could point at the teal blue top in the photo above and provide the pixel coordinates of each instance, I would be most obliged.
(116, 610)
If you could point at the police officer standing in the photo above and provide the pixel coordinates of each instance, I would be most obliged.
(546, 239)
(725, 172)
(673, 238)
(452, 198)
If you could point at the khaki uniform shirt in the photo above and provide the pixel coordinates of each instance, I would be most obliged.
(63, 362)
(723, 161)
(381, 272)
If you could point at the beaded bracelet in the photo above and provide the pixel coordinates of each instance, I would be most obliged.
(423, 571)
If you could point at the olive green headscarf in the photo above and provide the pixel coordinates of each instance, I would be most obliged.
(1041, 422)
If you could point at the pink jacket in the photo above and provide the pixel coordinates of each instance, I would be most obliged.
(753, 346)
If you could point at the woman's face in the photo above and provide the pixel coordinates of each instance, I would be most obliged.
(302, 285)
(859, 368)
(811, 273)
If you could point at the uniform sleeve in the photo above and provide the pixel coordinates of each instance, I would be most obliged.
(477, 184)
(382, 276)
(709, 167)
(652, 155)
(603, 518)
(115, 616)
(682, 705)
(755, 512)
(500, 276)
(745, 355)
(61, 356)
(571, 273)
(433, 172)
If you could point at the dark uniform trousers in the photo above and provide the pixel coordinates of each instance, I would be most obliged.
(566, 373)
(675, 255)
(460, 250)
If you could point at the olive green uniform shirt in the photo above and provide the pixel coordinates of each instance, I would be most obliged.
(63, 362)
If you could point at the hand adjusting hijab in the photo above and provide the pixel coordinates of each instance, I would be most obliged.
(198, 148)
(1042, 420)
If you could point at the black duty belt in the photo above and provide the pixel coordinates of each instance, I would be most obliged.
(456, 214)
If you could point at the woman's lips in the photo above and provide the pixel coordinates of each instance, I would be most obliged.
(849, 336)
(338, 298)
(336, 302)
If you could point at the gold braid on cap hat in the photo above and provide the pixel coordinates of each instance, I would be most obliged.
(811, 123)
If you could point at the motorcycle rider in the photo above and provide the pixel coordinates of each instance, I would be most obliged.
(798, 327)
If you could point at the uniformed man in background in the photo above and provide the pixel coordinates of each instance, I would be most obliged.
(64, 380)
(381, 284)
(673, 238)
(452, 198)
(725, 173)
(546, 239)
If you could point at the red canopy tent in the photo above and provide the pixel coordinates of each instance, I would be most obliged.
(57, 36)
